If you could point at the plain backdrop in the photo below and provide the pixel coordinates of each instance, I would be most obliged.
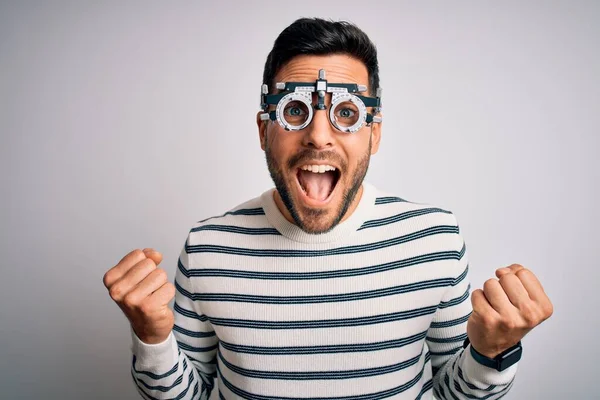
(124, 123)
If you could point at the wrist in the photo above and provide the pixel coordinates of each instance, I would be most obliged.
(488, 353)
(153, 339)
(148, 338)
(500, 361)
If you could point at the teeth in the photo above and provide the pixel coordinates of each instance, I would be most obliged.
(319, 169)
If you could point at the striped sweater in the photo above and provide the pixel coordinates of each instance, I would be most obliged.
(377, 308)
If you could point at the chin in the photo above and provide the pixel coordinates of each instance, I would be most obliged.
(316, 215)
(316, 224)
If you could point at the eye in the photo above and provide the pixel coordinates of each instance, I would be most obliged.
(294, 110)
(346, 113)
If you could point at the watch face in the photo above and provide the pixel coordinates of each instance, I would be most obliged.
(509, 357)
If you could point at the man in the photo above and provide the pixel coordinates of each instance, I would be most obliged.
(324, 287)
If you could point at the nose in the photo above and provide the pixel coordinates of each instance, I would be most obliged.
(319, 133)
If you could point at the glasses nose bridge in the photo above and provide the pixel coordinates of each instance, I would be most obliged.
(320, 116)
(318, 106)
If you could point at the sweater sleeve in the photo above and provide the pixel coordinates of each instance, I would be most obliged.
(456, 374)
(184, 365)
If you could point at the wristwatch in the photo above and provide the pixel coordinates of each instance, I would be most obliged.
(502, 361)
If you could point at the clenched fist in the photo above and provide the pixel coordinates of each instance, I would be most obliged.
(506, 310)
(142, 291)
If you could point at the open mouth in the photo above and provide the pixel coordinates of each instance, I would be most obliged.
(317, 182)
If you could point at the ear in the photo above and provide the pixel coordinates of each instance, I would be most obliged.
(262, 130)
(376, 135)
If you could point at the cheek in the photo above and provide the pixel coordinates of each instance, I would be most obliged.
(282, 144)
(356, 148)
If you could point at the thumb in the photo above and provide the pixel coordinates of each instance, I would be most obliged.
(153, 255)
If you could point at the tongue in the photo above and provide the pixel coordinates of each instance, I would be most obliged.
(317, 186)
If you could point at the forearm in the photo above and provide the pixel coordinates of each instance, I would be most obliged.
(456, 374)
(162, 371)
(184, 365)
(462, 377)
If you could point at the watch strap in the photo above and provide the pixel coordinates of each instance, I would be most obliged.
(502, 361)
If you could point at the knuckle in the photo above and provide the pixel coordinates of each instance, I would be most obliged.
(476, 298)
(529, 315)
(170, 289)
(138, 253)
(161, 275)
(146, 308)
(529, 308)
(147, 264)
(488, 284)
(508, 324)
(489, 321)
(548, 309)
(523, 273)
(150, 262)
(476, 295)
(531, 322)
(130, 301)
(106, 279)
(132, 257)
(115, 293)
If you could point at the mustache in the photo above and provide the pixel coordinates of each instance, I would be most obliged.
(310, 154)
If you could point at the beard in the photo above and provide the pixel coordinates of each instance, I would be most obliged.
(310, 220)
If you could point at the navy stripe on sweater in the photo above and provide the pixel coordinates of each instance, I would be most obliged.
(326, 298)
(401, 217)
(324, 349)
(243, 211)
(441, 229)
(389, 199)
(328, 323)
(272, 231)
(341, 273)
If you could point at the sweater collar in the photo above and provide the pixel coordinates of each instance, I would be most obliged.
(339, 232)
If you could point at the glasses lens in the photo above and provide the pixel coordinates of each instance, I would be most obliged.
(295, 113)
(346, 114)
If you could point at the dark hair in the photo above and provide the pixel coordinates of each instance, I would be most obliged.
(316, 36)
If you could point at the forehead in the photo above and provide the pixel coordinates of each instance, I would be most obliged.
(339, 68)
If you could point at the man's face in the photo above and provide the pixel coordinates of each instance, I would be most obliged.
(317, 201)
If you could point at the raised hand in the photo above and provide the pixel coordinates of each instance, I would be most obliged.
(142, 291)
(506, 310)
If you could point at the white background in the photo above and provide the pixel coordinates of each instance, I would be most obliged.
(123, 123)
